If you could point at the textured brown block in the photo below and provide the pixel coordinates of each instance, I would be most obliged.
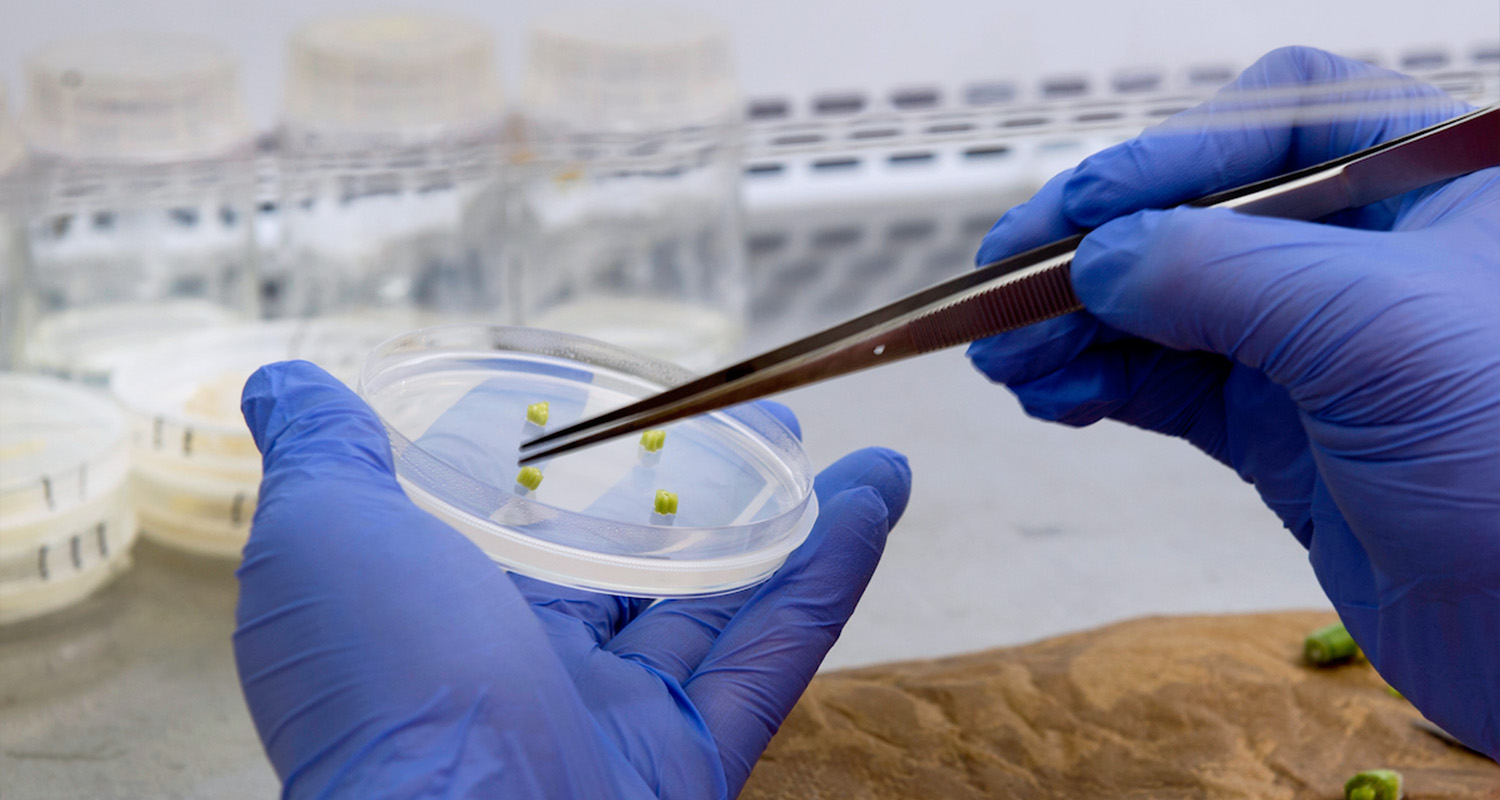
(1163, 707)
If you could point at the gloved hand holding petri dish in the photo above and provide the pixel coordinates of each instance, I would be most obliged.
(382, 652)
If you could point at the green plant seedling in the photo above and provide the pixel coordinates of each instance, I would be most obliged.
(529, 477)
(1374, 784)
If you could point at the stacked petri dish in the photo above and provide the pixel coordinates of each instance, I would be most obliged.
(705, 506)
(66, 525)
(141, 226)
(627, 201)
(391, 173)
(196, 468)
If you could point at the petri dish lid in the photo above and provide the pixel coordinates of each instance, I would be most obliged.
(184, 397)
(454, 402)
(402, 73)
(61, 445)
(630, 67)
(135, 96)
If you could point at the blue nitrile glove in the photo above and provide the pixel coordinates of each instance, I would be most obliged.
(1349, 369)
(383, 655)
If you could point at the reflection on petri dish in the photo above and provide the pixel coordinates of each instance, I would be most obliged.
(454, 401)
(66, 526)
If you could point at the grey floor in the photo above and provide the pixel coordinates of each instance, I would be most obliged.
(1016, 530)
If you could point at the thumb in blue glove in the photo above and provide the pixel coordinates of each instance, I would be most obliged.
(1348, 369)
(382, 653)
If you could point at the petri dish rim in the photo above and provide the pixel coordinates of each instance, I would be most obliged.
(240, 347)
(767, 541)
(96, 467)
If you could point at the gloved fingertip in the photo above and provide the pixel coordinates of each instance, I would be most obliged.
(265, 390)
(1121, 180)
(885, 471)
(981, 353)
(295, 406)
(1030, 224)
(1105, 256)
(864, 511)
(996, 243)
(890, 475)
(783, 415)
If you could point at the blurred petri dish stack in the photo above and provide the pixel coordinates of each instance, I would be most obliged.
(66, 525)
(141, 223)
(196, 468)
(391, 172)
(12, 216)
(628, 206)
(705, 506)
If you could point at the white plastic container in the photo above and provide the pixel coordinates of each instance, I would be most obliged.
(66, 526)
(196, 469)
(628, 194)
(391, 176)
(141, 226)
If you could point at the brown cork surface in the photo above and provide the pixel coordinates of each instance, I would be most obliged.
(1163, 707)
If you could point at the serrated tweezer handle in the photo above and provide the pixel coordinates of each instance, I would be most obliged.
(1036, 285)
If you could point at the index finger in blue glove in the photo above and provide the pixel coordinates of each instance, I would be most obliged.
(1253, 129)
(674, 636)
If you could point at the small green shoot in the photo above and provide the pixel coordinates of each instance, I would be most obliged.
(536, 413)
(652, 441)
(1374, 784)
(530, 477)
(666, 502)
(1328, 646)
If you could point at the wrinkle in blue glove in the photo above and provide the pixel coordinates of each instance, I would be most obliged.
(382, 654)
(1349, 369)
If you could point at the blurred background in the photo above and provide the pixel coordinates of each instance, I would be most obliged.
(191, 190)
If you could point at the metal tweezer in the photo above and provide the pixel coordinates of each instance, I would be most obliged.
(1035, 285)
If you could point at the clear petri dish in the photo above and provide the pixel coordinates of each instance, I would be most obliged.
(56, 562)
(61, 445)
(454, 401)
(66, 526)
(183, 399)
(207, 512)
(196, 467)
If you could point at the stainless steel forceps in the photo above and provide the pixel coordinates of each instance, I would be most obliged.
(1035, 285)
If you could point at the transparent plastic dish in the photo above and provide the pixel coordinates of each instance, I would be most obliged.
(454, 401)
(196, 467)
(66, 526)
(206, 514)
(183, 398)
(54, 563)
(61, 445)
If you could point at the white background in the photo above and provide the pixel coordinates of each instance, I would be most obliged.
(797, 46)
